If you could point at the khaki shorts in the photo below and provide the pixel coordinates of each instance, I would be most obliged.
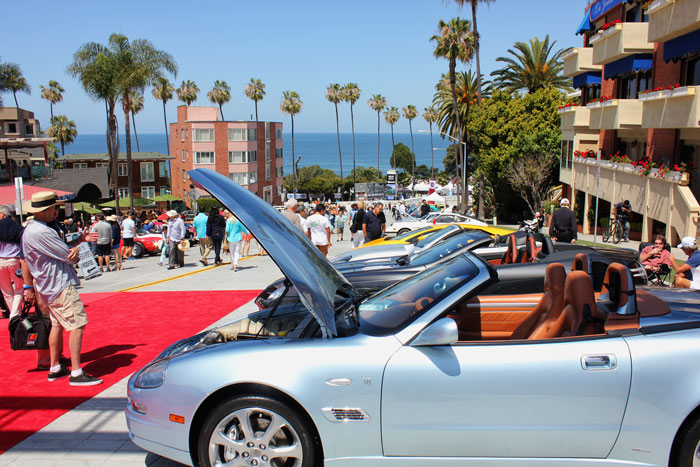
(68, 311)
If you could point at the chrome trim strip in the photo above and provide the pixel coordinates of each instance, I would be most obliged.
(335, 414)
(502, 305)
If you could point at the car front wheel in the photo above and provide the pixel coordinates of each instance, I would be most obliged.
(257, 431)
(138, 250)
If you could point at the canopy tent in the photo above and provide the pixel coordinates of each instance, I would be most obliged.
(85, 207)
(124, 203)
(163, 217)
(434, 198)
(422, 186)
(167, 197)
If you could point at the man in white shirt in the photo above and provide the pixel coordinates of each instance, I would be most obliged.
(318, 229)
(128, 234)
(402, 210)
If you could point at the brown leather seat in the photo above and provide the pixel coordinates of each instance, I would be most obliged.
(618, 293)
(551, 303)
(579, 305)
(511, 255)
(530, 250)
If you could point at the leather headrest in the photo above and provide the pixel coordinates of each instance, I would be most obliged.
(555, 279)
(581, 263)
(579, 293)
(512, 252)
(618, 288)
(530, 249)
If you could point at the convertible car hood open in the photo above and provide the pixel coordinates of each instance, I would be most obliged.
(314, 278)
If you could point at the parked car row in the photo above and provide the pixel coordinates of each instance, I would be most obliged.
(447, 355)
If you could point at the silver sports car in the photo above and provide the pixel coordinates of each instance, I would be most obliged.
(429, 371)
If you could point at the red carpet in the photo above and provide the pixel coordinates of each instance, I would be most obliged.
(126, 331)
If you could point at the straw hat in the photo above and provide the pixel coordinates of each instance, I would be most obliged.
(41, 201)
(172, 213)
(112, 218)
(184, 245)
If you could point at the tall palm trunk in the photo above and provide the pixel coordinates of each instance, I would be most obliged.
(378, 172)
(462, 156)
(130, 172)
(294, 176)
(51, 107)
(113, 147)
(354, 169)
(221, 111)
(167, 138)
(392, 137)
(256, 120)
(14, 94)
(413, 159)
(476, 53)
(136, 135)
(432, 153)
(337, 131)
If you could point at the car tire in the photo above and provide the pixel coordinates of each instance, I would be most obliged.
(138, 250)
(689, 450)
(402, 231)
(223, 438)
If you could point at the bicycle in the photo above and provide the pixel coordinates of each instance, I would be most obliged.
(614, 230)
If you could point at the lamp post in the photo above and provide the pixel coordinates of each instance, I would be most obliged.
(464, 162)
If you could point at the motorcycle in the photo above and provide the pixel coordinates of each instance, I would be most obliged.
(532, 225)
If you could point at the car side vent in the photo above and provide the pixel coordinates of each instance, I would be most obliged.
(346, 415)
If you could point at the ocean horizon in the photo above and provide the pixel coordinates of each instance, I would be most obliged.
(315, 148)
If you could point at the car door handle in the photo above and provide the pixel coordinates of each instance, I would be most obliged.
(598, 362)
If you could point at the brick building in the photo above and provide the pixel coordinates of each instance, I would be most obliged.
(639, 76)
(149, 169)
(249, 153)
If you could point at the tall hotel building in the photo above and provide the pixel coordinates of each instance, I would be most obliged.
(639, 76)
(249, 153)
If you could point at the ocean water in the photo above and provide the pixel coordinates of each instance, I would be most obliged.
(314, 148)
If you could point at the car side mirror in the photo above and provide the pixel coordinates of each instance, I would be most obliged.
(441, 332)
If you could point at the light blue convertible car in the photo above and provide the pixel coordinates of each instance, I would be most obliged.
(428, 372)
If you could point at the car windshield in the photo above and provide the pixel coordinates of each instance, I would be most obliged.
(393, 308)
(440, 233)
(408, 234)
(447, 247)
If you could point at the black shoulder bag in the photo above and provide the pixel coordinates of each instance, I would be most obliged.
(29, 331)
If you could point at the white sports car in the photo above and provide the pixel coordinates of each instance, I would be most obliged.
(411, 223)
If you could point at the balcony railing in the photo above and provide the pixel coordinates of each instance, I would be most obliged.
(616, 114)
(669, 19)
(575, 117)
(666, 198)
(579, 60)
(619, 41)
(671, 108)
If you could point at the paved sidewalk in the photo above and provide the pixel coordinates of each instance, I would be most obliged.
(95, 433)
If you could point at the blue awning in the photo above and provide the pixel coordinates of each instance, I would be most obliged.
(629, 64)
(682, 47)
(587, 79)
(585, 25)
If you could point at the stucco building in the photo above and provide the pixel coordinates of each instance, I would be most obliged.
(248, 152)
(639, 74)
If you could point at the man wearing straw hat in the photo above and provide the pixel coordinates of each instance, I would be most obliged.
(50, 262)
(176, 235)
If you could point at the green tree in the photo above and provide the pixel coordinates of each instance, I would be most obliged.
(140, 65)
(334, 95)
(410, 112)
(532, 67)
(135, 106)
(291, 105)
(443, 179)
(351, 94)
(220, 95)
(377, 103)
(313, 179)
(423, 172)
(430, 115)
(403, 158)
(455, 42)
(255, 91)
(187, 92)
(391, 116)
(64, 130)
(52, 93)
(12, 80)
(163, 91)
(366, 175)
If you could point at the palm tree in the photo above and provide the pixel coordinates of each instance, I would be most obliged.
(141, 65)
(455, 42)
(410, 112)
(377, 103)
(391, 116)
(291, 105)
(430, 116)
(220, 94)
(163, 91)
(11, 79)
(475, 34)
(136, 99)
(351, 94)
(255, 90)
(187, 92)
(533, 67)
(52, 93)
(63, 130)
(97, 68)
(334, 94)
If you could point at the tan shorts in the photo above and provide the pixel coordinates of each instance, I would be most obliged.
(68, 311)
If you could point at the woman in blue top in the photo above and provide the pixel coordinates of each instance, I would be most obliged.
(234, 235)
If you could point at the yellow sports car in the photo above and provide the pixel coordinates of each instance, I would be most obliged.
(414, 235)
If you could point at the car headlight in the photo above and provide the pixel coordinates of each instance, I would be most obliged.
(153, 375)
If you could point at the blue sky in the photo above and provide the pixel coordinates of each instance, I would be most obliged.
(383, 45)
